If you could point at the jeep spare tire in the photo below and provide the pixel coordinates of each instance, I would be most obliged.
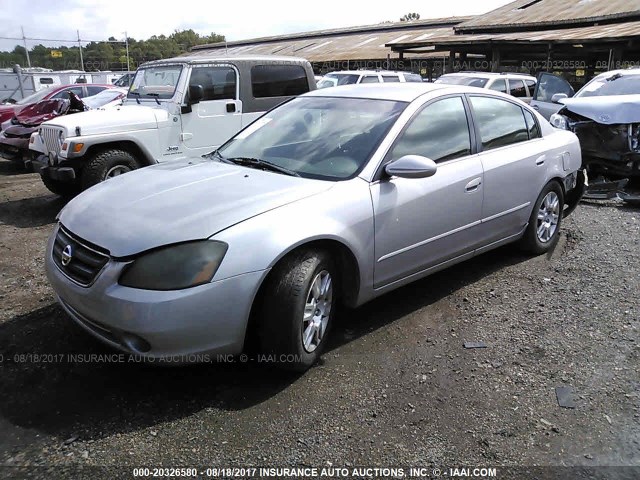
(107, 164)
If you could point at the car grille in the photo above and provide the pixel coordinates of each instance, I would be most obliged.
(51, 138)
(86, 260)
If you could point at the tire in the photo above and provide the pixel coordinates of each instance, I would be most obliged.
(106, 164)
(64, 189)
(544, 223)
(289, 292)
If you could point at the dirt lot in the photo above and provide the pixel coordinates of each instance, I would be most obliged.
(396, 387)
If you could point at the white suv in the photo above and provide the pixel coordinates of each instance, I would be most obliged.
(348, 77)
(518, 85)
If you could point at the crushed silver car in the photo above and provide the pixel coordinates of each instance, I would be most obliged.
(339, 195)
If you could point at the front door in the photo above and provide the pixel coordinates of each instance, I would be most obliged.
(548, 85)
(420, 223)
(218, 116)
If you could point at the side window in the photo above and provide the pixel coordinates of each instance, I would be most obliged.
(278, 80)
(517, 89)
(499, 85)
(389, 78)
(501, 122)
(94, 90)
(46, 81)
(412, 77)
(439, 132)
(531, 85)
(218, 83)
(550, 85)
(370, 79)
(532, 125)
(65, 93)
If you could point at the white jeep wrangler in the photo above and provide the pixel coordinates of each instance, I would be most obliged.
(175, 108)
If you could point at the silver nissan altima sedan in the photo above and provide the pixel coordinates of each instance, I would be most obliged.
(339, 195)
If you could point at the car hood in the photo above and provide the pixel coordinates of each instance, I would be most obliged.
(112, 120)
(606, 109)
(176, 202)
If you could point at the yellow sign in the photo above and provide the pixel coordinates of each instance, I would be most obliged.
(579, 73)
(56, 53)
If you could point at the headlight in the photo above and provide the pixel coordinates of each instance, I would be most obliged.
(559, 121)
(175, 267)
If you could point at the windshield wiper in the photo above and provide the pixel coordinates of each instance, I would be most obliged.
(614, 77)
(137, 96)
(155, 96)
(258, 163)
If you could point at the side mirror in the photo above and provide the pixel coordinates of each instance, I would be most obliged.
(196, 93)
(559, 96)
(411, 166)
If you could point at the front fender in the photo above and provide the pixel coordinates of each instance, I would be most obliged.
(341, 214)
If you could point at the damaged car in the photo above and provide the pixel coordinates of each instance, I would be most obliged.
(605, 115)
(16, 132)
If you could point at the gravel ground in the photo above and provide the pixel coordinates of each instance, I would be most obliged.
(396, 387)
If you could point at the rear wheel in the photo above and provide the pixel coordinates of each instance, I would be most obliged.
(64, 189)
(544, 224)
(107, 164)
(297, 310)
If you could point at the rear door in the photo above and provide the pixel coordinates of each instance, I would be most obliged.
(548, 85)
(513, 156)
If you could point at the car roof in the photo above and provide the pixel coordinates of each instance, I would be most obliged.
(489, 75)
(203, 58)
(399, 92)
(365, 72)
(627, 71)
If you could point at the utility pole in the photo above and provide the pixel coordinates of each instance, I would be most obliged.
(80, 46)
(24, 40)
(126, 43)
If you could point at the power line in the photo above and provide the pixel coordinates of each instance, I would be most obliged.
(60, 40)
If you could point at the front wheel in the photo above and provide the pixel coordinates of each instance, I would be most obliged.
(297, 310)
(544, 224)
(64, 189)
(107, 164)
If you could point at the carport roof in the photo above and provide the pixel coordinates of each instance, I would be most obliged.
(355, 43)
(576, 35)
(551, 13)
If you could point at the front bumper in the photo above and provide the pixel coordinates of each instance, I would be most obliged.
(180, 326)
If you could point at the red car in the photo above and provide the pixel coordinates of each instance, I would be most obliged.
(8, 110)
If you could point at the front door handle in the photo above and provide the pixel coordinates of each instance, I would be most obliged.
(540, 160)
(473, 185)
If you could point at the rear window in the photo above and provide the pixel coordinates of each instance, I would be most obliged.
(517, 89)
(278, 80)
(390, 78)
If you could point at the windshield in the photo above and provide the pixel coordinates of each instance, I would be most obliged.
(317, 137)
(615, 84)
(155, 82)
(333, 79)
(34, 97)
(460, 80)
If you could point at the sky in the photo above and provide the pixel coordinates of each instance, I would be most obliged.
(101, 19)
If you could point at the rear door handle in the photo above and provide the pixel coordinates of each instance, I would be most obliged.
(473, 185)
(540, 160)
